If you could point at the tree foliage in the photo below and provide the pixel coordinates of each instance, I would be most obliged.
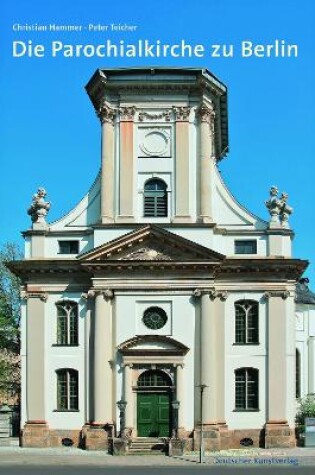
(306, 408)
(9, 324)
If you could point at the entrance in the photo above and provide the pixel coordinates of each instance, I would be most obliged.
(153, 404)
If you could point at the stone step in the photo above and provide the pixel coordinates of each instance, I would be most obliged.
(151, 440)
(149, 446)
(144, 452)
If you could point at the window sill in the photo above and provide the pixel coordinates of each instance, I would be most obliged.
(64, 346)
(66, 410)
(246, 410)
(245, 344)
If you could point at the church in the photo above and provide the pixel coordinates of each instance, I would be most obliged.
(159, 308)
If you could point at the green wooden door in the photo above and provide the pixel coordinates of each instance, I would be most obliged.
(153, 415)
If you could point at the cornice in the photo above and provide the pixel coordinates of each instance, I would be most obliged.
(66, 232)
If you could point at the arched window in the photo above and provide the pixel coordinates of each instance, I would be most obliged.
(155, 199)
(297, 373)
(246, 322)
(246, 389)
(67, 390)
(154, 378)
(67, 323)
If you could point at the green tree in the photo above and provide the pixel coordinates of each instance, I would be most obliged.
(306, 408)
(9, 324)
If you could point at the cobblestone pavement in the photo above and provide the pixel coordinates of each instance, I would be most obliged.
(71, 456)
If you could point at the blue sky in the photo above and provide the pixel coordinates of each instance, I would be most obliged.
(50, 136)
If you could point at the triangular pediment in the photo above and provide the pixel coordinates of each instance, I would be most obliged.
(151, 243)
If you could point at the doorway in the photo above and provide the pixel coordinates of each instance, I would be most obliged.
(154, 404)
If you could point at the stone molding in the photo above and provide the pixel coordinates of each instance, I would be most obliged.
(108, 294)
(25, 295)
(181, 113)
(221, 294)
(127, 113)
(284, 294)
(212, 293)
(205, 113)
(106, 113)
(166, 115)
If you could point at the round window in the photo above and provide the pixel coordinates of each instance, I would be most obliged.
(154, 318)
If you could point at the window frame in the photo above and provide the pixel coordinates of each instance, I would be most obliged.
(151, 311)
(67, 324)
(154, 196)
(243, 241)
(71, 376)
(70, 242)
(246, 323)
(247, 394)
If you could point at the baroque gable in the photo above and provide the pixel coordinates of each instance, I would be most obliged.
(151, 243)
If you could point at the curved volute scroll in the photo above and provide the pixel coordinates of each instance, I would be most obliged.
(206, 113)
(106, 113)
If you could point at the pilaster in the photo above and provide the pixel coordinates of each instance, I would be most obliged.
(213, 357)
(103, 373)
(277, 430)
(205, 113)
(107, 116)
(126, 177)
(35, 432)
(180, 396)
(182, 188)
(128, 397)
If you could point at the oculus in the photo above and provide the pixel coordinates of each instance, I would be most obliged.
(154, 318)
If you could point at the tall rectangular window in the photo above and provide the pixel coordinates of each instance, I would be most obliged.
(67, 390)
(246, 389)
(246, 322)
(67, 323)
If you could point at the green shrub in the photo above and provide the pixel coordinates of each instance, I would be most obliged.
(306, 408)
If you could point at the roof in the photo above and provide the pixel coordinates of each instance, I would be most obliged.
(303, 294)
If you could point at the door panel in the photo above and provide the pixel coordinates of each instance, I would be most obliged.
(153, 415)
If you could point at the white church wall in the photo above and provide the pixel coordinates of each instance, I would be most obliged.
(52, 245)
(239, 356)
(193, 137)
(311, 319)
(57, 357)
(291, 356)
(244, 419)
(85, 213)
(305, 332)
(27, 247)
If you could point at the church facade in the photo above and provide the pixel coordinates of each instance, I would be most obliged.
(159, 305)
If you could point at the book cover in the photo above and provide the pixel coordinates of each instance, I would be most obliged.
(262, 52)
(250, 102)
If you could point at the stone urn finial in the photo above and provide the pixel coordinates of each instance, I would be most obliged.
(278, 209)
(39, 208)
